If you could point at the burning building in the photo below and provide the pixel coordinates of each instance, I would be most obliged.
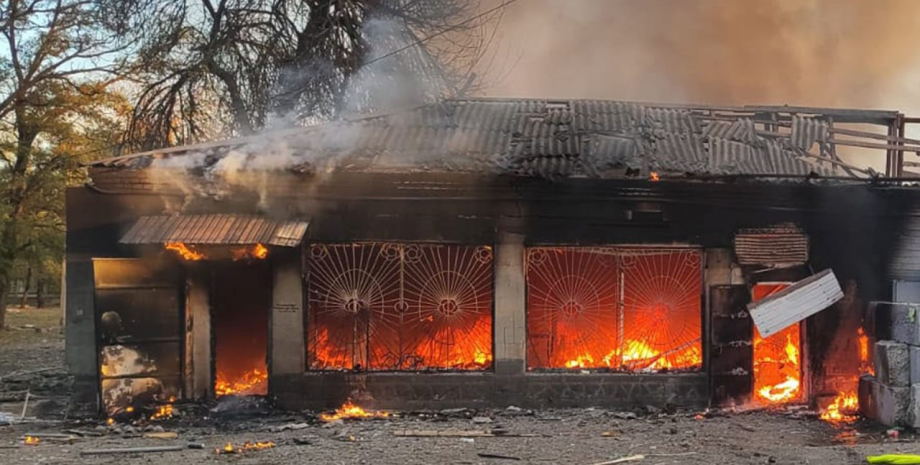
(492, 252)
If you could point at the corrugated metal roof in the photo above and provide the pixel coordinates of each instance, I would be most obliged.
(769, 246)
(215, 229)
(526, 138)
(795, 303)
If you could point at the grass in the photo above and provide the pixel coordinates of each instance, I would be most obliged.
(48, 320)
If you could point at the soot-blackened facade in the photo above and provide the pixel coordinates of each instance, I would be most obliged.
(558, 269)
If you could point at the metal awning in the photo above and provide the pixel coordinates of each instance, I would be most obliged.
(220, 229)
(795, 303)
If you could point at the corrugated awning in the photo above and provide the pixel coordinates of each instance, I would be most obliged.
(795, 303)
(215, 229)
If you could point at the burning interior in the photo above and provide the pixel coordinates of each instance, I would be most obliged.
(241, 299)
(560, 257)
(399, 307)
(615, 309)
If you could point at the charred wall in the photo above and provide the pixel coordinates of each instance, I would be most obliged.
(852, 229)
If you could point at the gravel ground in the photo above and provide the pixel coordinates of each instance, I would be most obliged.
(566, 436)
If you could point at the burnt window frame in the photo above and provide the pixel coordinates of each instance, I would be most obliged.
(308, 266)
(703, 307)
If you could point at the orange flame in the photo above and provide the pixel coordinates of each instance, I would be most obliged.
(639, 355)
(777, 359)
(582, 361)
(777, 376)
(253, 381)
(31, 440)
(258, 252)
(350, 410)
(246, 447)
(163, 412)
(653, 176)
(184, 251)
(864, 365)
(843, 409)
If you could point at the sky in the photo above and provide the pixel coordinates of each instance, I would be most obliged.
(836, 53)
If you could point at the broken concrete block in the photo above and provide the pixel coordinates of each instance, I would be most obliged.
(904, 324)
(914, 365)
(892, 363)
(888, 405)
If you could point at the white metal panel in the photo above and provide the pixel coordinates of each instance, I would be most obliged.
(907, 291)
(795, 303)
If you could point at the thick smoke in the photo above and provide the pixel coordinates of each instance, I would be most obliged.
(385, 84)
(840, 53)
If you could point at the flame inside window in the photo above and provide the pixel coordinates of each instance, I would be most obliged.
(624, 309)
(400, 307)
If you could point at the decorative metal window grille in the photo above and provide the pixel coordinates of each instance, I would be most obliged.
(399, 307)
(617, 308)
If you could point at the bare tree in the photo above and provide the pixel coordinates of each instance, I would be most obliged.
(215, 62)
(56, 59)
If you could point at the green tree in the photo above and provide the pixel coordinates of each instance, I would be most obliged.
(57, 63)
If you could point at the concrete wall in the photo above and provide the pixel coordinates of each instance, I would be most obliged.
(288, 350)
(198, 310)
(510, 304)
(80, 334)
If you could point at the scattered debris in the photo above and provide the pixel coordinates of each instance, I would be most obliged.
(481, 420)
(289, 427)
(626, 415)
(6, 419)
(246, 447)
(486, 455)
(86, 433)
(25, 405)
(631, 458)
(302, 442)
(610, 434)
(161, 435)
(132, 450)
(746, 427)
(496, 433)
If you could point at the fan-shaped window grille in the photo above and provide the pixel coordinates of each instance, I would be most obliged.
(400, 307)
(614, 308)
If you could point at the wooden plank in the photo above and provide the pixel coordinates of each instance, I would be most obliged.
(132, 450)
(871, 145)
(872, 135)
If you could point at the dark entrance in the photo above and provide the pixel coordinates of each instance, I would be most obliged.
(240, 299)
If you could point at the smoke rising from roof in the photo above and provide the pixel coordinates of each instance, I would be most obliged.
(842, 53)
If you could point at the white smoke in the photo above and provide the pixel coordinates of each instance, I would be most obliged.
(386, 84)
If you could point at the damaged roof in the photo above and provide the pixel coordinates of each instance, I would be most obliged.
(541, 138)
